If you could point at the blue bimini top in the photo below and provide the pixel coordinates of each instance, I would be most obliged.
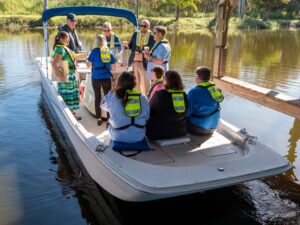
(90, 10)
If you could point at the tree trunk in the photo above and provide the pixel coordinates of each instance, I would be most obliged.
(45, 4)
(137, 8)
(241, 8)
(177, 12)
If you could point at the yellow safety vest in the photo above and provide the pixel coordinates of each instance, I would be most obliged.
(70, 53)
(178, 100)
(112, 41)
(159, 81)
(105, 55)
(139, 36)
(133, 105)
(164, 41)
(214, 92)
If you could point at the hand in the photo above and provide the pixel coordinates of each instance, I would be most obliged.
(125, 44)
(146, 55)
(63, 78)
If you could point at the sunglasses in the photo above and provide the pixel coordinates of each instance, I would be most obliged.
(145, 26)
(106, 30)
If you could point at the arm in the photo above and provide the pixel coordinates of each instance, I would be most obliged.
(130, 45)
(113, 63)
(105, 104)
(90, 59)
(79, 55)
(58, 73)
(160, 54)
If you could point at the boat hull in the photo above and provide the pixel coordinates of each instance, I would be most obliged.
(109, 177)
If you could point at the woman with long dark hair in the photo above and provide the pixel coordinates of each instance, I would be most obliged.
(65, 69)
(128, 109)
(167, 109)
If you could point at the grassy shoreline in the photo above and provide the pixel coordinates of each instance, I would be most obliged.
(33, 21)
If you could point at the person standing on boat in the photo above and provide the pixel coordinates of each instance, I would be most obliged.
(140, 40)
(102, 62)
(204, 104)
(160, 53)
(157, 73)
(167, 109)
(113, 40)
(129, 111)
(70, 28)
(67, 84)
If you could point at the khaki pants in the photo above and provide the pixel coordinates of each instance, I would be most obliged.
(142, 83)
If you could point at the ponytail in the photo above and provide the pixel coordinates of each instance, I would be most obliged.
(60, 35)
(126, 81)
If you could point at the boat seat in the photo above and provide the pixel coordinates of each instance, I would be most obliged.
(173, 141)
(137, 146)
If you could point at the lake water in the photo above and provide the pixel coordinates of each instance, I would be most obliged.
(39, 184)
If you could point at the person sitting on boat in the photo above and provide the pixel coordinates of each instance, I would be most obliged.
(204, 104)
(157, 73)
(70, 28)
(67, 84)
(167, 109)
(128, 109)
(160, 53)
(140, 40)
(102, 62)
(113, 40)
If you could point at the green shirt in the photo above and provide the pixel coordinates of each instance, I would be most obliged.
(65, 57)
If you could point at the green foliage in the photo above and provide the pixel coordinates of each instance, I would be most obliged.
(250, 23)
(179, 5)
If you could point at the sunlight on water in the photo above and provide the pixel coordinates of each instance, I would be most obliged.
(40, 186)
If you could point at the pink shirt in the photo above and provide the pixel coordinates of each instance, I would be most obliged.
(157, 87)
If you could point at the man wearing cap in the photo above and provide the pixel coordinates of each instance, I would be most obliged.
(70, 28)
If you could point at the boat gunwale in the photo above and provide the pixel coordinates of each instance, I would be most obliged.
(134, 183)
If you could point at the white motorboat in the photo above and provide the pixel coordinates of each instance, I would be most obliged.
(195, 164)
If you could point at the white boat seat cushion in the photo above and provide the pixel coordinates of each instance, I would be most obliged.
(173, 141)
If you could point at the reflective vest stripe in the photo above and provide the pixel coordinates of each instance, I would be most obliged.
(133, 105)
(139, 37)
(178, 100)
(112, 41)
(165, 41)
(104, 55)
(214, 92)
(69, 53)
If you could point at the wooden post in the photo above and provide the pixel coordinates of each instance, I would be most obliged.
(223, 15)
(45, 4)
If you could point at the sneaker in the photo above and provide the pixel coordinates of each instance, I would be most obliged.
(99, 122)
(77, 117)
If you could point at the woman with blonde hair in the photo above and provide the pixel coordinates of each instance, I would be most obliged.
(102, 62)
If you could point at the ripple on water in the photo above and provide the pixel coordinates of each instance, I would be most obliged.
(270, 207)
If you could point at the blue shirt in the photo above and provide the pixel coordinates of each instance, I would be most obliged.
(96, 61)
(113, 105)
(163, 52)
(201, 103)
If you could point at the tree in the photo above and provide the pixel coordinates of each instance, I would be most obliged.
(181, 4)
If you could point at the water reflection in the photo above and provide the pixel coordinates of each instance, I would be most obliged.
(268, 58)
(292, 152)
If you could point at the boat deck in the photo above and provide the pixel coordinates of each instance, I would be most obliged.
(199, 150)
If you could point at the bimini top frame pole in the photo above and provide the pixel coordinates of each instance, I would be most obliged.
(84, 10)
